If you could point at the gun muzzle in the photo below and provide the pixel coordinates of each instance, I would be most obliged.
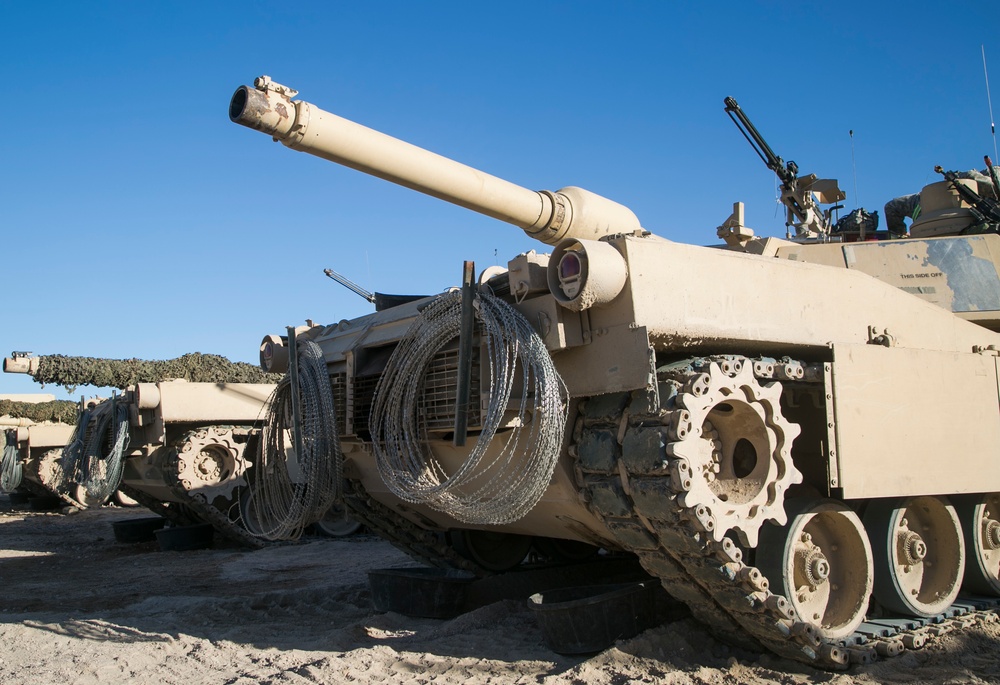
(28, 365)
(547, 216)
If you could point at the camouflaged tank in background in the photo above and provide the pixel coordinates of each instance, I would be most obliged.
(35, 428)
(804, 454)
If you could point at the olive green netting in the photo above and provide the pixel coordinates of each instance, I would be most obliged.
(60, 411)
(70, 372)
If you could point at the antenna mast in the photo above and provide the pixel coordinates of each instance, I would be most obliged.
(989, 101)
(854, 165)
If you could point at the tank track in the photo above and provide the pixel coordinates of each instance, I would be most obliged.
(633, 496)
(424, 545)
(226, 527)
(37, 490)
(168, 510)
(194, 510)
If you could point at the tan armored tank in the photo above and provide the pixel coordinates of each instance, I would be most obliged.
(32, 446)
(178, 447)
(185, 448)
(805, 455)
(191, 446)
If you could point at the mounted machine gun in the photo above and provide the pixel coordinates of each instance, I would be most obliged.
(800, 195)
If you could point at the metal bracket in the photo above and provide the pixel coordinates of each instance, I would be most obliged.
(466, 333)
(884, 338)
(293, 377)
(264, 83)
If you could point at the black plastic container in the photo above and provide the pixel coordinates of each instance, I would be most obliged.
(183, 538)
(584, 620)
(18, 498)
(44, 502)
(422, 592)
(132, 531)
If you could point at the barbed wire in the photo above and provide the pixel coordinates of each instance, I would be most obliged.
(290, 491)
(10, 464)
(496, 483)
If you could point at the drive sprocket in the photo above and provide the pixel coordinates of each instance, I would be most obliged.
(731, 448)
(211, 462)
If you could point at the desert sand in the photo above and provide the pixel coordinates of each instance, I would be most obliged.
(80, 608)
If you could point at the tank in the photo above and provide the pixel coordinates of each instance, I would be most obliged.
(802, 453)
(34, 436)
(182, 439)
(191, 448)
(177, 447)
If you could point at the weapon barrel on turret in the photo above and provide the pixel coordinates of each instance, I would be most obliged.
(547, 216)
(20, 364)
(121, 373)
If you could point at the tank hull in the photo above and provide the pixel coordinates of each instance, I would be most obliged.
(669, 309)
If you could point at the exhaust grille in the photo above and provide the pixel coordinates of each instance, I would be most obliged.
(436, 407)
(338, 384)
(437, 402)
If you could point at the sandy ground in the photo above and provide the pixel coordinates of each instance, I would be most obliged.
(79, 608)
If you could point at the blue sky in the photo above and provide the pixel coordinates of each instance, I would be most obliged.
(137, 221)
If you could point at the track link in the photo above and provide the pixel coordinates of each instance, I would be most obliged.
(190, 509)
(424, 545)
(631, 483)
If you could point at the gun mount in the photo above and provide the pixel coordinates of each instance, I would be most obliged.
(801, 195)
(719, 413)
(985, 210)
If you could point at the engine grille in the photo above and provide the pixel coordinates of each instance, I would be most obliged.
(437, 401)
(338, 384)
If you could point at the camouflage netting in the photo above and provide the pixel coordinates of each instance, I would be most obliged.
(63, 411)
(70, 372)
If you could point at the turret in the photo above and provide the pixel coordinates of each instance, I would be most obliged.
(545, 215)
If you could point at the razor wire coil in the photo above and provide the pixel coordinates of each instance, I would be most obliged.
(290, 491)
(493, 485)
(95, 455)
(10, 465)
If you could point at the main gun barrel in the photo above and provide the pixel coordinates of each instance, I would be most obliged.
(547, 216)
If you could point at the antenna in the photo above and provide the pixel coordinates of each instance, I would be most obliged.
(854, 165)
(989, 101)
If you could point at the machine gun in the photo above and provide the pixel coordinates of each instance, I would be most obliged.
(985, 210)
(380, 300)
(800, 195)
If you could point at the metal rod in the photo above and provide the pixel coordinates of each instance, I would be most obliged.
(293, 376)
(350, 285)
(466, 332)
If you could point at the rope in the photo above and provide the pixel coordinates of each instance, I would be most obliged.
(95, 456)
(496, 484)
(291, 491)
(10, 465)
